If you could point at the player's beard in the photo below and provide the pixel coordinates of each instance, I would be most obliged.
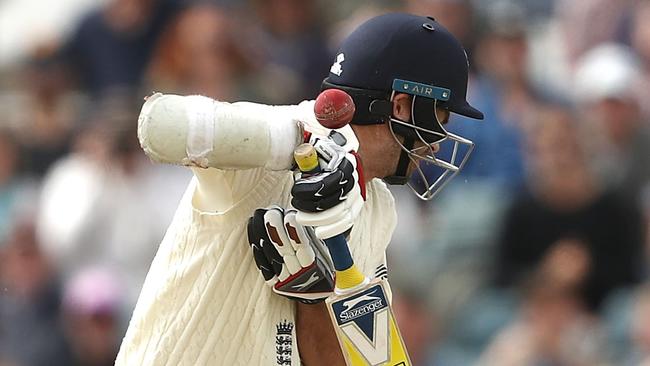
(420, 150)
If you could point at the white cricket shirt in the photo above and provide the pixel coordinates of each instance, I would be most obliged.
(204, 302)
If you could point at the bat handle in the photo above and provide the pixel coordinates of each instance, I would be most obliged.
(348, 275)
(340, 252)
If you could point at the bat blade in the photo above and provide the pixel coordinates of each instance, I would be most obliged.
(366, 327)
(363, 320)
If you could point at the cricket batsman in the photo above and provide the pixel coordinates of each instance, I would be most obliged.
(241, 274)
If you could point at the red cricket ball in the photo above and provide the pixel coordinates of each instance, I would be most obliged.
(334, 108)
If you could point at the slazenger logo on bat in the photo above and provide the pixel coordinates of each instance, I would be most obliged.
(351, 312)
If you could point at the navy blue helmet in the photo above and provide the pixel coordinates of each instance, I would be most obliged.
(405, 53)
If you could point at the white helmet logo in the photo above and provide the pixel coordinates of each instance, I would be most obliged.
(336, 67)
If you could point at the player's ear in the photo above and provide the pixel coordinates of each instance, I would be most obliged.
(402, 107)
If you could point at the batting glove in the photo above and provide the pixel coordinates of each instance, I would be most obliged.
(292, 260)
(330, 200)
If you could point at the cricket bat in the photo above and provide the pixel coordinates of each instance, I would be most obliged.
(361, 314)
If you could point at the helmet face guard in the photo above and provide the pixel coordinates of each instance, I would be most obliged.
(432, 172)
(404, 53)
(424, 141)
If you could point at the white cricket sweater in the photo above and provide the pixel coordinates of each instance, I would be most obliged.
(204, 301)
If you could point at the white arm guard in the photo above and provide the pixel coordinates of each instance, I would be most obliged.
(202, 132)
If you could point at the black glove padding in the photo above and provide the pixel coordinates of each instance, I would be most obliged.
(292, 260)
(319, 192)
(331, 199)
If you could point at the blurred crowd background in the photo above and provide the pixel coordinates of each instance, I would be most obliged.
(536, 254)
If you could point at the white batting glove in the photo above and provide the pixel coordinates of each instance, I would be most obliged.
(290, 257)
(330, 200)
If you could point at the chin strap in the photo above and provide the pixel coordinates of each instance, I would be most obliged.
(399, 177)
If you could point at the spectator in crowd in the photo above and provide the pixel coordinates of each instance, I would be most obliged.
(290, 46)
(551, 328)
(44, 125)
(91, 309)
(587, 23)
(30, 332)
(103, 204)
(565, 225)
(112, 46)
(198, 54)
(607, 87)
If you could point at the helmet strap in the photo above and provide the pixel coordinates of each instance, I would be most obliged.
(399, 177)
